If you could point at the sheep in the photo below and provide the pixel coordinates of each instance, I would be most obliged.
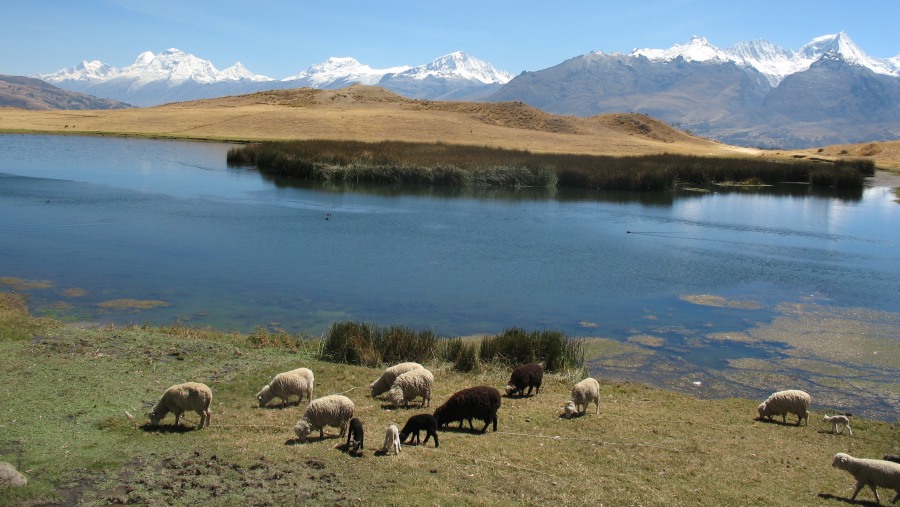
(870, 472)
(355, 436)
(391, 440)
(526, 375)
(334, 410)
(295, 382)
(384, 383)
(585, 392)
(839, 420)
(417, 423)
(891, 457)
(180, 398)
(410, 385)
(479, 402)
(786, 402)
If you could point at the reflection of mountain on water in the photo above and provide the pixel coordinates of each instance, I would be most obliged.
(561, 194)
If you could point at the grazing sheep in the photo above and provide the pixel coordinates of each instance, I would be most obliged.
(411, 385)
(391, 440)
(585, 392)
(526, 375)
(569, 409)
(355, 436)
(480, 402)
(295, 382)
(417, 423)
(386, 380)
(786, 402)
(839, 420)
(870, 472)
(180, 398)
(334, 410)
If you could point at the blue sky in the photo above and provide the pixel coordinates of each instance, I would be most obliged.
(280, 38)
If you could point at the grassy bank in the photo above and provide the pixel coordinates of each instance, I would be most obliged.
(450, 164)
(65, 391)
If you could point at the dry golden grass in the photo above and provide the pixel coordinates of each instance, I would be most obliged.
(374, 114)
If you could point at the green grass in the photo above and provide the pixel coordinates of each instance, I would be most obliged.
(457, 165)
(65, 391)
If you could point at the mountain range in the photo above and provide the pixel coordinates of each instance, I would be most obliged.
(30, 93)
(752, 94)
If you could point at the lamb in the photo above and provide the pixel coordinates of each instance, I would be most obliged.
(870, 472)
(784, 402)
(526, 375)
(479, 402)
(417, 423)
(180, 398)
(295, 382)
(839, 420)
(387, 378)
(355, 436)
(410, 385)
(391, 440)
(334, 410)
(585, 392)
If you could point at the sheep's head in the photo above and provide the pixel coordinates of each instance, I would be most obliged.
(840, 460)
(510, 389)
(156, 414)
(303, 429)
(763, 410)
(372, 389)
(264, 395)
(569, 409)
(396, 396)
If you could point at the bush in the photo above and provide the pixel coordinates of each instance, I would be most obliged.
(463, 355)
(516, 346)
(365, 344)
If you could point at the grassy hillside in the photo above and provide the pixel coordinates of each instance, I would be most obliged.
(65, 391)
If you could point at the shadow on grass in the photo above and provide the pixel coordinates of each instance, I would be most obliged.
(779, 423)
(297, 441)
(577, 415)
(828, 496)
(167, 428)
(464, 429)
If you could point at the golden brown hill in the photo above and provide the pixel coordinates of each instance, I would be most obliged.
(886, 154)
(369, 113)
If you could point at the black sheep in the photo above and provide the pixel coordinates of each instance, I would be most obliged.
(479, 402)
(354, 435)
(526, 375)
(417, 423)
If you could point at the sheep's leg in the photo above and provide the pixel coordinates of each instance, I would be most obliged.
(598, 407)
(875, 490)
(177, 417)
(487, 423)
(849, 430)
(859, 486)
(436, 444)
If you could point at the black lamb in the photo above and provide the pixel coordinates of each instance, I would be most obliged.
(479, 402)
(526, 375)
(417, 423)
(355, 435)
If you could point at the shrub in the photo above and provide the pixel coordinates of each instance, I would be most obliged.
(463, 355)
(365, 344)
(516, 346)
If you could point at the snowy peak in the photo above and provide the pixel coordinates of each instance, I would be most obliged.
(459, 65)
(342, 69)
(698, 49)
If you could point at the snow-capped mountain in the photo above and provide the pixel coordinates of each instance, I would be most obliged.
(771, 60)
(174, 75)
(753, 94)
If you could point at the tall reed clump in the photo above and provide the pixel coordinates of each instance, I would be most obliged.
(463, 355)
(369, 345)
(457, 165)
(516, 346)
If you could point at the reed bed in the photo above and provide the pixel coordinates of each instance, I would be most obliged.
(460, 165)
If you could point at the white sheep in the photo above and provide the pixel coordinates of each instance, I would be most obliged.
(839, 420)
(181, 398)
(335, 410)
(410, 385)
(786, 402)
(870, 472)
(297, 382)
(386, 380)
(584, 393)
(391, 440)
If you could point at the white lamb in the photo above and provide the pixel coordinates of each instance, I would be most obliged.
(386, 380)
(391, 440)
(585, 392)
(335, 410)
(841, 421)
(181, 398)
(786, 402)
(870, 472)
(410, 385)
(297, 382)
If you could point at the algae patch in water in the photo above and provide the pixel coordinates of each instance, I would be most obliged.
(647, 340)
(133, 304)
(20, 284)
(74, 292)
(720, 302)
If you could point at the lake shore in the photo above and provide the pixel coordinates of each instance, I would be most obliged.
(80, 433)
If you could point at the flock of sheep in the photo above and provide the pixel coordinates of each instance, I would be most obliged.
(405, 382)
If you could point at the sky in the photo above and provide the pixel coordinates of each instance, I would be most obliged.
(279, 38)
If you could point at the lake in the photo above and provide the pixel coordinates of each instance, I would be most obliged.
(721, 289)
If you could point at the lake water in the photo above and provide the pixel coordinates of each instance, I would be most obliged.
(104, 219)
